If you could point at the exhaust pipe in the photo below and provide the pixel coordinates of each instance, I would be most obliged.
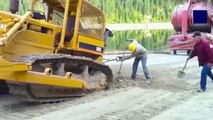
(14, 6)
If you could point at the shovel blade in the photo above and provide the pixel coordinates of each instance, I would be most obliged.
(180, 74)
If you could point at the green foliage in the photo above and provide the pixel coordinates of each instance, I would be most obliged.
(4, 5)
(122, 11)
(157, 40)
(136, 11)
(23, 5)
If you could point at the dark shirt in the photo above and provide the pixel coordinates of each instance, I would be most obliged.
(203, 51)
(69, 31)
(70, 24)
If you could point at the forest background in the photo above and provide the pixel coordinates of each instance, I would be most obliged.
(122, 11)
(128, 11)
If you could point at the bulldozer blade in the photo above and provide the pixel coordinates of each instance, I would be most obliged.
(181, 74)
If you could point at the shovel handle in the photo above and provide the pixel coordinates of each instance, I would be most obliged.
(187, 60)
(185, 65)
(119, 71)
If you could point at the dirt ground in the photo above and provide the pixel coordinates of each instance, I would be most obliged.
(126, 100)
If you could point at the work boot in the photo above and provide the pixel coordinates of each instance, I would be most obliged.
(200, 90)
(148, 82)
(133, 77)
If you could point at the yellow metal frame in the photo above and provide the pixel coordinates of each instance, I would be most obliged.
(19, 72)
(75, 35)
(6, 37)
(6, 66)
(89, 40)
(15, 44)
(42, 78)
(61, 44)
(55, 28)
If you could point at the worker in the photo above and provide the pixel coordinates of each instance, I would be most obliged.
(108, 33)
(205, 58)
(69, 30)
(140, 53)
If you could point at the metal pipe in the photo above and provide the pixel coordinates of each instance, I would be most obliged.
(5, 38)
(61, 44)
(77, 24)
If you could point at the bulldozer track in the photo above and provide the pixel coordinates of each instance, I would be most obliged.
(45, 93)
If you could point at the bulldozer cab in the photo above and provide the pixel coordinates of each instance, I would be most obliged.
(82, 24)
(74, 27)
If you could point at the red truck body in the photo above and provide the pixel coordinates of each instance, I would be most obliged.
(182, 21)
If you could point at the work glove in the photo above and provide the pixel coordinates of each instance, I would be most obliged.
(119, 58)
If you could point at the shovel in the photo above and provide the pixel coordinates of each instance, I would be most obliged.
(181, 74)
(119, 71)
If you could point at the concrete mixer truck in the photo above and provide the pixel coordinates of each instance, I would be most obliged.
(194, 15)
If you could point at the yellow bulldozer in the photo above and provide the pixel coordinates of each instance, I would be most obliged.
(53, 55)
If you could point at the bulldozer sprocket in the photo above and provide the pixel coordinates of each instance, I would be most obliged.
(45, 93)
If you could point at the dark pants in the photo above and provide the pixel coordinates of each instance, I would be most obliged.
(68, 37)
(135, 67)
(206, 70)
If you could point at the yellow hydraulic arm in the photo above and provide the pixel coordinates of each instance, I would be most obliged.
(5, 38)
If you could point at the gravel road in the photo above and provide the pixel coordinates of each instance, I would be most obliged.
(128, 99)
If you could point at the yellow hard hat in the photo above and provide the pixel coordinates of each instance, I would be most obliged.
(132, 47)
